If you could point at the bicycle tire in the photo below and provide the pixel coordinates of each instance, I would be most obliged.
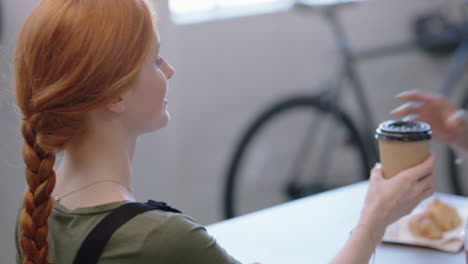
(453, 168)
(310, 102)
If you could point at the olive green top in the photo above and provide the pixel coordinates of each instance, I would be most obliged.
(152, 237)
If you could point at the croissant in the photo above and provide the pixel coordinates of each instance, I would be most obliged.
(445, 216)
(423, 225)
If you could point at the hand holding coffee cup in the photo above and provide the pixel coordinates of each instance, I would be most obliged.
(402, 145)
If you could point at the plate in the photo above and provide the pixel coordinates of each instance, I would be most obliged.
(452, 241)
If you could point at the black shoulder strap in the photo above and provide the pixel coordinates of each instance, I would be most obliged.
(94, 244)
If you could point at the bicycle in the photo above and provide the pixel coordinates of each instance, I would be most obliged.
(324, 124)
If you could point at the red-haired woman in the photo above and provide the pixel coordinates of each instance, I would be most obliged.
(89, 80)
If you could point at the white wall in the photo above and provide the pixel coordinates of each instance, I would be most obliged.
(226, 71)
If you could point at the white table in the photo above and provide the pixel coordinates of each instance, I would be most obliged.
(313, 229)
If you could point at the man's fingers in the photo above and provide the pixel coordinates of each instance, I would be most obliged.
(456, 119)
(408, 108)
(414, 96)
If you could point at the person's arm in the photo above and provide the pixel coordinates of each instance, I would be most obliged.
(448, 124)
(363, 240)
(386, 201)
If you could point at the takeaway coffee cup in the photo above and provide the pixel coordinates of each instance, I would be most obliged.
(402, 145)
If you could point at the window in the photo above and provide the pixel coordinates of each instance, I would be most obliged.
(192, 11)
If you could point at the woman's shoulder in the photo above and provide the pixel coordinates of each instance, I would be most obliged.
(162, 216)
(160, 226)
(153, 220)
(176, 238)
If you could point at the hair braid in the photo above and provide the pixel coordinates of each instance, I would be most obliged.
(40, 177)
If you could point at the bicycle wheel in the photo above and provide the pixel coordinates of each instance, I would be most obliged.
(456, 167)
(297, 147)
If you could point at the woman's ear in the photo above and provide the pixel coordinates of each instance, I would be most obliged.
(117, 106)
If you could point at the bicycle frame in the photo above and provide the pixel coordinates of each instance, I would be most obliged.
(347, 72)
(455, 69)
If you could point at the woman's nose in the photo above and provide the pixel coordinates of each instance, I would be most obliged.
(168, 71)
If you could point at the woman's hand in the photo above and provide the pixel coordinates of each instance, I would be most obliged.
(386, 201)
(446, 122)
(389, 199)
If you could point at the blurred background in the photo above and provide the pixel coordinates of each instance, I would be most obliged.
(233, 59)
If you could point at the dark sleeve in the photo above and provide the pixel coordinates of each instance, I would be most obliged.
(182, 240)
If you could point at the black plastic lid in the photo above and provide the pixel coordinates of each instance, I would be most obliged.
(397, 130)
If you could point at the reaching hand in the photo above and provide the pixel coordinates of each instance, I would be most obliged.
(446, 122)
